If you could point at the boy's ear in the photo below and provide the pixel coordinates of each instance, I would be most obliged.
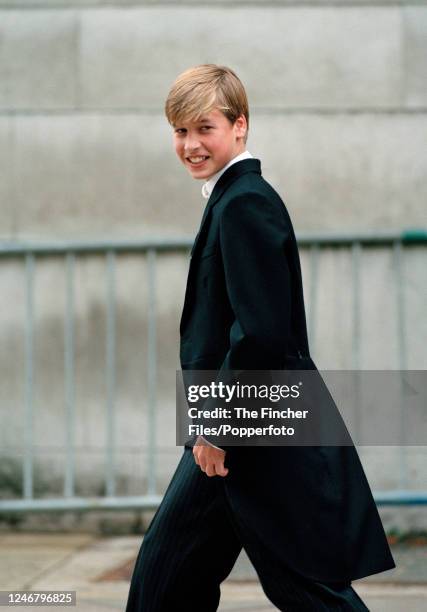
(241, 126)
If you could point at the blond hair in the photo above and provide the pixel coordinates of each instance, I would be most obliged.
(199, 90)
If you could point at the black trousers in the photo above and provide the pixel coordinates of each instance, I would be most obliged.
(192, 545)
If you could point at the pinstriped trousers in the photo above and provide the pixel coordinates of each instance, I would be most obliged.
(192, 544)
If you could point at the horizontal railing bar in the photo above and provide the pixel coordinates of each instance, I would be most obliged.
(81, 504)
(152, 502)
(93, 246)
(400, 497)
(15, 247)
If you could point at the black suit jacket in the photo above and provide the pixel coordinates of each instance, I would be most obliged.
(244, 310)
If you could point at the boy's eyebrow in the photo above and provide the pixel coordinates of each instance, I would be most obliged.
(201, 120)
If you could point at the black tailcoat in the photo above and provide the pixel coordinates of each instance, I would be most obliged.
(244, 309)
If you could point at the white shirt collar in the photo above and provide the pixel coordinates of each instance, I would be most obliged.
(207, 187)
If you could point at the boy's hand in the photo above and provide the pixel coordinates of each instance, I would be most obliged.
(210, 459)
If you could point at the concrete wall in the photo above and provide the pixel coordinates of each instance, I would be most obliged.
(338, 98)
(338, 101)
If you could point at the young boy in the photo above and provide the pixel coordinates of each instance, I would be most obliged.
(304, 514)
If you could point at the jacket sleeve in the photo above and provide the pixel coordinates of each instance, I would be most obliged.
(253, 237)
(253, 240)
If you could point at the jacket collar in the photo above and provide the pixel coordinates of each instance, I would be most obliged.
(210, 184)
(229, 176)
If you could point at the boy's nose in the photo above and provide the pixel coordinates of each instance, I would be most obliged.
(191, 144)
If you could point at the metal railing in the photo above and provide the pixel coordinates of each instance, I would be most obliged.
(33, 252)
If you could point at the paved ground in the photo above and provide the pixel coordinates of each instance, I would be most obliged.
(98, 568)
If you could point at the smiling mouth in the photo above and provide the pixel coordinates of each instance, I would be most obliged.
(197, 160)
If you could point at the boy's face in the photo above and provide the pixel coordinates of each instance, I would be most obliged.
(207, 145)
